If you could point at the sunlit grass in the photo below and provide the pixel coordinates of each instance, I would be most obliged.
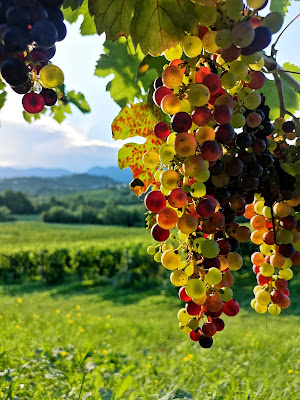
(105, 343)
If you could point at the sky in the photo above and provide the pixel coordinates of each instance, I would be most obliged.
(84, 141)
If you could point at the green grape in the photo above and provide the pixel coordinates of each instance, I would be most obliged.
(260, 308)
(157, 256)
(253, 303)
(193, 324)
(286, 274)
(263, 297)
(197, 244)
(235, 261)
(274, 309)
(183, 316)
(178, 278)
(238, 120)
(51, 76)
(166, 153)
(252, 59)
(192, 46)
(255, 4)
(151, 250)
(242, 34)
(173, 53)
(239, 69)
(266, 212)
(167, 246)
(198, 189)
(157, 174)
(195, 288)
(207, 15)
(203, 176)
(252, 101)
(284, 236)
(266, 269)
(273, 21)
(233, 9)
(151, 159)
(171, 139)
(209, 248)
(224, 39)
(189, 270)
(226, 294)
(213, 276)
(228, 80)
(198, 95)
(296, 167)
(209, 42)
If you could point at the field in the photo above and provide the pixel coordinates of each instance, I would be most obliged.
(84, 341)
(103, 343)
(36, 235)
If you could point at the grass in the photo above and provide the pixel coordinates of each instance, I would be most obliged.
(37, 235)
(125, 344)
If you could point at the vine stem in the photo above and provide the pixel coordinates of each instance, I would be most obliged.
(273, 223)
(279, 36)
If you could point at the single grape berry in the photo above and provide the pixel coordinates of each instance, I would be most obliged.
(33, 103)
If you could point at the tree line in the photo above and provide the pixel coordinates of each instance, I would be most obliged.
(120, 208)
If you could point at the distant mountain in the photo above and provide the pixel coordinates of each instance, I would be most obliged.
(115, 173)
(63, 184)
(11, 172)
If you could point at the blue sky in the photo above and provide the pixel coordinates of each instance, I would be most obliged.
(83, 141)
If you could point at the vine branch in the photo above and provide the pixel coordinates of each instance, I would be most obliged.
(273, 67)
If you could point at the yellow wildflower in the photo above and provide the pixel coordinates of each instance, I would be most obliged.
(78, 308)
(57, 312)
(63, 353)
(19, 301)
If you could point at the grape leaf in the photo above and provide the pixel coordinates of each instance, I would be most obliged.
(293, 68)
(291, 98)
(137, 120)
(72, 14)
(123, 61)
(280, 6)
(79, 101)
(112, 17)
(3, 94)
(74, 4)
(160, 24)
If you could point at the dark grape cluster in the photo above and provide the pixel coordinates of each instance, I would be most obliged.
(29, 31)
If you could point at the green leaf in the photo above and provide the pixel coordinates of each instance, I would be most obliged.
(3, 95)
(123, 61)
(72, 14)
(280, 6)
(291, 98)
(125, 385)
(149, 69)
(74, 4)
(79, 101)
(32, 117)
(160, 24)
(58, 112)
(294, 68)
(112, 17)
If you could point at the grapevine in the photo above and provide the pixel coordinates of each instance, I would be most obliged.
(29, 31)
(221, 157)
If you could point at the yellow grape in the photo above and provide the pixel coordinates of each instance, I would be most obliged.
(255, 4)
(198, 189)
(170, 260)
(252, 100)
(258, 65)
(170, 104)
(260, 308)
(173, 53)
(263, 297)
(239, 69)
(274, 309)
(235, 261)
(178, 278)
(228, 80)
(151, 159)
(205, 133)
(209, 42)
(51, 76)
(195, 288)
(172, 77)
(192, 46)
(183, 316)
(169, 179)
(286, 274)
(198, 95)
(166, 153)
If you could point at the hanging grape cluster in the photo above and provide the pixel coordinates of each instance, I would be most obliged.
(222, 158)
(29, 30)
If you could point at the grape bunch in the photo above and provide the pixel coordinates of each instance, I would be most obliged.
(221, 157)
(29, 30)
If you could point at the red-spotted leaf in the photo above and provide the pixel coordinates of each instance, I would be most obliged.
(137, 120)
(130, 155)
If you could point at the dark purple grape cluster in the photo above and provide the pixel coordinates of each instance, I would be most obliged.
(29, 30)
